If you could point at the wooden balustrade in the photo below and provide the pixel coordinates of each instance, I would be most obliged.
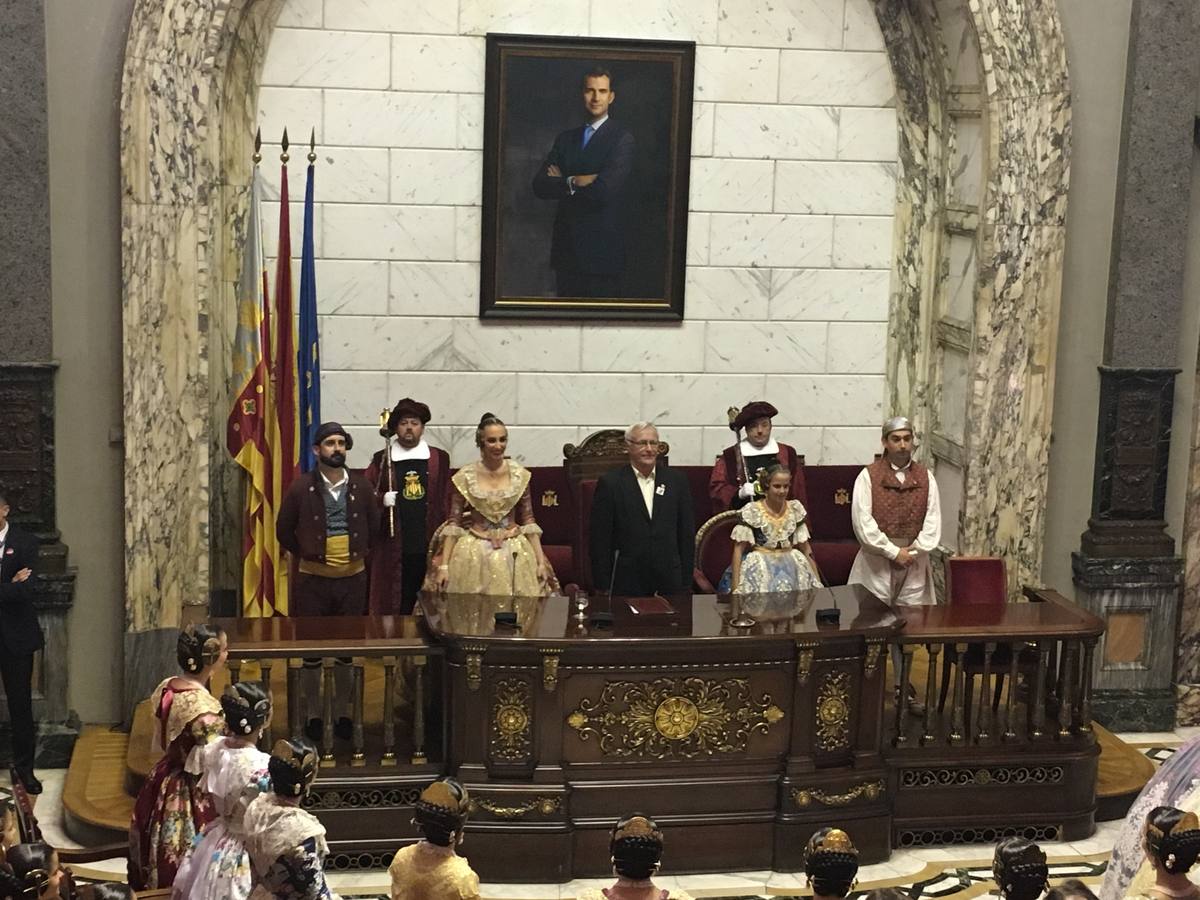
(387, 658)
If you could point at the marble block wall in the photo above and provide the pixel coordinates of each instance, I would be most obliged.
(790, 243)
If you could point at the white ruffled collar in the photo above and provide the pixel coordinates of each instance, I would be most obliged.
(770, 449)
(421, 451)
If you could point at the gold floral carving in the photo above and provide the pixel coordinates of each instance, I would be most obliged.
(474, 671)
(870, 790)
(511, 715)
(544, 805)
(871, 665)
(804, 662)
(550, 670)
(674, 718)
(833, 711)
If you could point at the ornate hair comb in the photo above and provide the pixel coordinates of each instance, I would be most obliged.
(836, 841)
(440, 794)
(638, 826)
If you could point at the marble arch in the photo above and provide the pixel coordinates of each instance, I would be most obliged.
(186, 128)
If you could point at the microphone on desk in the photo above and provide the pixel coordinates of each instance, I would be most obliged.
(830, 615)
(600, 619)
(508, 619)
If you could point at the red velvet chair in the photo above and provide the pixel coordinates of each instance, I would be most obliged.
(583, 556)
(980, 582)
(714, 551)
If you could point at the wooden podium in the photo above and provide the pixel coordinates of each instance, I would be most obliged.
(740, 741)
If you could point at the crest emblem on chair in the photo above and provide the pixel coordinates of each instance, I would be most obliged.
(549, 498)
(841, 497)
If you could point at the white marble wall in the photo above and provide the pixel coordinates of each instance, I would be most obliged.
(790, 236)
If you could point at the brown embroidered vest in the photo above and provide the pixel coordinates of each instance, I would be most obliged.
(899, 508)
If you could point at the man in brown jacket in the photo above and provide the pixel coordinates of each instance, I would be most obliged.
(328, 521)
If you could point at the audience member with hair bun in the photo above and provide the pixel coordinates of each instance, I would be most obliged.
(34, 873)
(1020, 870)
(491, 543)
(1071, 889)
(1171, 840)
(235, 772)
(171, 808)
(431, 869)
(111, 890)
(636, 847)
(286, 843)
(830, 864)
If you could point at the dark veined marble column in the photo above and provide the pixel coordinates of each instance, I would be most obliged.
(26, 367)
(1127, 570)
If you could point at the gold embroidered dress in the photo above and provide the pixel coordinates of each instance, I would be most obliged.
(773, 563)
(426, 871)
(492, 554)
(171, 808)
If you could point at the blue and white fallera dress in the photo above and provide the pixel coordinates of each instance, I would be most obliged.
(773, 563)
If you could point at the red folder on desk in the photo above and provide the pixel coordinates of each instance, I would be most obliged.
(650, 606)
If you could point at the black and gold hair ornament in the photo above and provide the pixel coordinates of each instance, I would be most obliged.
(834, 841)
(303, 764)
(637, 826)
(197, 651)
(441, 795)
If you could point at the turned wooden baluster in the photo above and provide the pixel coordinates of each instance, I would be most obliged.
(293, 696)
(1066, 706)
(983, 722)
(1037, 702)
(327, 760)
(906, 656)
(1085, 690)
(1009, 734)
(264, 740)
(389, 712)
(235, 670)
(357, 757)
(957, 715)
(418, 732)
(927, 736)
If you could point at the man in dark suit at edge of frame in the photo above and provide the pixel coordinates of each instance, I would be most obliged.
(20, 638)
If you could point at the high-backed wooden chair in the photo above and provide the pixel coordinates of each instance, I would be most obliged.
(714, 550)
(584, 463)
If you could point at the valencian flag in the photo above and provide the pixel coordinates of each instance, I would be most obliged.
(309, 357)
(246, 430)
(282, 433)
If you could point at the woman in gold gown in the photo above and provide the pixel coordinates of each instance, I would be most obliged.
(431, 869)
(491, 543)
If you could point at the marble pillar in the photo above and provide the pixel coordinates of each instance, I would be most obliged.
(27, 370)
(1126, 569)
(1020, 228)
(187, 101)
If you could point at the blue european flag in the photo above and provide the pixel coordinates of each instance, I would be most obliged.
(308, 347)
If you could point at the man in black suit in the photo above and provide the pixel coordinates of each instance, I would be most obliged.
(20, 638)
(587, 171)
(643, 510)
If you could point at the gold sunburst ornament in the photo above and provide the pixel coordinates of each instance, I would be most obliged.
(676, 718)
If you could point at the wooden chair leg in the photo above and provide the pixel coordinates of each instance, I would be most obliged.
(950, 658)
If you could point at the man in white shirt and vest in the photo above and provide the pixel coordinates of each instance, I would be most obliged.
(898, 521)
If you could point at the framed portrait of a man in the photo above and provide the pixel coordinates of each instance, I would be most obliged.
(586, 151)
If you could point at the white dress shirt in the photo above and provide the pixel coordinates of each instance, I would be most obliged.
(646, 486)
(335, 488)
(3, 538)
(873, 565)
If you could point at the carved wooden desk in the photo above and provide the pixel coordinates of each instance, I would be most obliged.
(740, 741)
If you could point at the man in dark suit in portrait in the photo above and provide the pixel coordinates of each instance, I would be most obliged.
(20, 638)
(642, 515)
(587, 172)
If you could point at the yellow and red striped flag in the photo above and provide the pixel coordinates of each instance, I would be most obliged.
(246, 429)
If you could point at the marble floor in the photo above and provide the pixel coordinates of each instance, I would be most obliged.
(929, 872)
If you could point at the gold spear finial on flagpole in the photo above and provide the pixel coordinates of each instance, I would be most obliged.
(257, 146)
(284, 155)
(312, 147)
